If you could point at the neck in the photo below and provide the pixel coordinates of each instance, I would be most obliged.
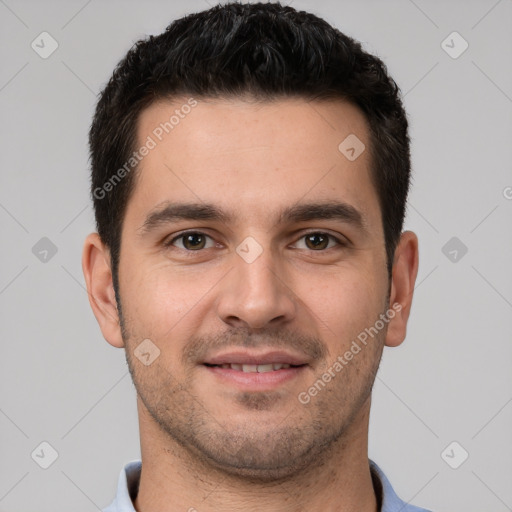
(173, 479)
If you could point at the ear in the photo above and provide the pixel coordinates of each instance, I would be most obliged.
(98, 278)
(405, 270)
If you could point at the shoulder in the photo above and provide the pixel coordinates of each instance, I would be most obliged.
(389, 500)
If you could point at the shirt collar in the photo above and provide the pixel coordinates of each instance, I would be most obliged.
(129, 478)
(127, 488)
(390, 502)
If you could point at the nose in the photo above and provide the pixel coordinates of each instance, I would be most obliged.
(256, 295)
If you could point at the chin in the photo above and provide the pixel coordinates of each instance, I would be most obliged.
(272, 456)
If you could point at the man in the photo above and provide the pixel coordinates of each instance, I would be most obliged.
(250, 169)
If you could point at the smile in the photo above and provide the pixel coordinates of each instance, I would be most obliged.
(253, 368)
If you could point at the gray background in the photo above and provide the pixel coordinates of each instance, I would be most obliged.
(450, 380)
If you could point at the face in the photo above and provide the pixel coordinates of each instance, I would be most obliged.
(253, 259)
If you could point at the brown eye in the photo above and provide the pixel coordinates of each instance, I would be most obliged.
(316, 241)
(191, 241)
(319, 241)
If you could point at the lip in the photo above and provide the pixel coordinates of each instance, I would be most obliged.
(254, 381)
(254, 357)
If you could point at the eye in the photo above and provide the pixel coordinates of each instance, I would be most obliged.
(195, 241)
(318, 241)
(191, 241)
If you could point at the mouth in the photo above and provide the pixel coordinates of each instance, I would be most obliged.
(255, 372)
(254, 368)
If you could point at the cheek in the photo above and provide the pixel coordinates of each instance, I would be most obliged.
(148, 299)
(161, 301)
(343, 304)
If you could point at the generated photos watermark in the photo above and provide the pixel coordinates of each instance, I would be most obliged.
(341, 361)
(137, 156)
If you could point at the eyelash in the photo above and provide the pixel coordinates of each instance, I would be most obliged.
(169, 243)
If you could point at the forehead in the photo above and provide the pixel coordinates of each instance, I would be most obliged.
(253, 158)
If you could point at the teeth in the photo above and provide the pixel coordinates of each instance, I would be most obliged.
(262, 368)
(256, 368)
(279, 366)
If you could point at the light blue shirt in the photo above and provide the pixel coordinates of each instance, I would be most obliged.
(128, 486)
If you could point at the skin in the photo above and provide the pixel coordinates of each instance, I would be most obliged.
(205, 443)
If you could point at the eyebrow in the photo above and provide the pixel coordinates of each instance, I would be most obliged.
(326, 210)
